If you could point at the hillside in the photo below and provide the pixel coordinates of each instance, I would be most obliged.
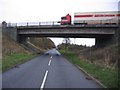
(14, 53)
(72, 47)
(42, 43)
(101, 63)
(106, 57)
(9, 46)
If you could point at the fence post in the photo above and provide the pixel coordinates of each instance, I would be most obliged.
(16, 25)
(53, 23)
(39, 23)
(27, 24)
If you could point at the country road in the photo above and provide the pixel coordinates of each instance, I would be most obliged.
(50, 70)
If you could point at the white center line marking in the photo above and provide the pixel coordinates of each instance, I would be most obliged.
(51, 57)
(43, 83)
(49, 63)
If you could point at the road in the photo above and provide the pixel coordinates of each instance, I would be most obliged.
(50, 70)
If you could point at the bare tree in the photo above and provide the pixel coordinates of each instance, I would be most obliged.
(66, 41)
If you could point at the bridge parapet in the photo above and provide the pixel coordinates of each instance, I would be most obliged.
(27, 24)
(55, 23)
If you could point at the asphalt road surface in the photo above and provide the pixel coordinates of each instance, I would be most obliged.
(50, 70)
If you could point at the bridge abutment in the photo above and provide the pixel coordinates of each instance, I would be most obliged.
(104, 40)
(10, 31)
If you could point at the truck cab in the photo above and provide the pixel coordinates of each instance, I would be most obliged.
(66, 20)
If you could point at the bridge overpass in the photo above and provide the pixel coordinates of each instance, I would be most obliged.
(103, 34)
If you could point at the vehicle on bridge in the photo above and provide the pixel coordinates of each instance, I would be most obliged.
(66, 20)
(86, 18)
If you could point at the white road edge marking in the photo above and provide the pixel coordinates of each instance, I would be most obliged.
(43, 83)
(49, 63)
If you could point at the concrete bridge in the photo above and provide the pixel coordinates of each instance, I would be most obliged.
(104, 34)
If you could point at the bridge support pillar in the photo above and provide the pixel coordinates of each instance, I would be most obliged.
(22, 39)
(105, 40)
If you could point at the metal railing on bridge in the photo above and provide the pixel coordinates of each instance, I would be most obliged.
(32, 24)
(55, 23)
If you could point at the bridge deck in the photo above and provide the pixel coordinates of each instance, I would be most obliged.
(89, 31)
(67, 26)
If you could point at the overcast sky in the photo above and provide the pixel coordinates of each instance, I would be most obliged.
(51, 10)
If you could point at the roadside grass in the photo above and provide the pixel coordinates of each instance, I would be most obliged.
(106, 76)
(0, 65)
(15, 59)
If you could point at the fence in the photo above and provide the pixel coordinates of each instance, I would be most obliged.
(32, 24)
(52, 23)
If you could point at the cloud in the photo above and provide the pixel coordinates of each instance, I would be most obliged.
(49, 10)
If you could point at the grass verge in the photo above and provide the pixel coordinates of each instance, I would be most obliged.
(106, 76)
(14, 59)
(0, 65)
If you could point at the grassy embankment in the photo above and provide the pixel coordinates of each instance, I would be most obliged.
(106, 76)
(13, 53)
(15, 59)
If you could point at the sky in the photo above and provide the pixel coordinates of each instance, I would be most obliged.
(16, 11)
